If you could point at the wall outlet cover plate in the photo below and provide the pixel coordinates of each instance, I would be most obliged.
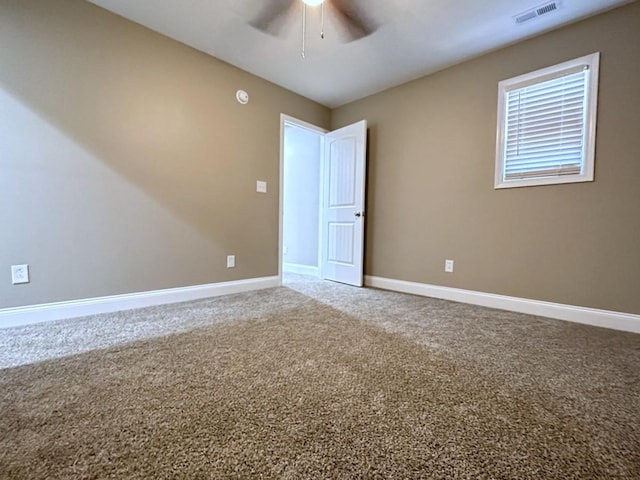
(19, 274)
(448, 266)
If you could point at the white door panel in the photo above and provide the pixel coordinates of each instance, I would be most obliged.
(343, 204)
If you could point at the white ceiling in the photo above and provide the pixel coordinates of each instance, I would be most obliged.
(415, 38)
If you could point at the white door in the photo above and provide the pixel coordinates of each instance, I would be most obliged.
(343, 204)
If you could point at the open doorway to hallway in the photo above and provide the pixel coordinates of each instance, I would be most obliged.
(301, 191)
(322, 199)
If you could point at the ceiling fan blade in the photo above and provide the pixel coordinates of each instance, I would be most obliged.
(354, 18)
(273, 16)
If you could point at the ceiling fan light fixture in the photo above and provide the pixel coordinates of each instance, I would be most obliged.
(313, 3)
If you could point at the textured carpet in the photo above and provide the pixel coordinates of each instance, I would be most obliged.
(320, 381)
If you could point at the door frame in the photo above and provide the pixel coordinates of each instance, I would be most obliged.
(289, 120)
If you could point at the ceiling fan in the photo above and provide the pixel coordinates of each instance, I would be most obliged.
(349, 14)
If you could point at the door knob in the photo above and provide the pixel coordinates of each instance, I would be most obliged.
(359, 214)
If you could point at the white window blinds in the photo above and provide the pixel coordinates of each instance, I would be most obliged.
(545, 127)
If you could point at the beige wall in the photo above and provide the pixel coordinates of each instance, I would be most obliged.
(431, 167)
(127, 165)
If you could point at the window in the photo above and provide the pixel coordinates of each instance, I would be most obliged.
(547, 125)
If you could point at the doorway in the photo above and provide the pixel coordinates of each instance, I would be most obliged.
(301, 177)
(322, 198)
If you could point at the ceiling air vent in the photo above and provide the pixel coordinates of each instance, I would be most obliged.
(536, 12)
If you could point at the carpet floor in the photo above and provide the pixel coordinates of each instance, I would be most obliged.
(318, 380)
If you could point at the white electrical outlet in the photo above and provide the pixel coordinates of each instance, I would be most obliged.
(448, 266)
(19, 274)
(261, 187)
(231, 261)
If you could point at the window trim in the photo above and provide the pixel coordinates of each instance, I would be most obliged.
(591, 104)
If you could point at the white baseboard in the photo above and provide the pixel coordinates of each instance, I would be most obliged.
(301, 269)
(601, 318)
(11, 317)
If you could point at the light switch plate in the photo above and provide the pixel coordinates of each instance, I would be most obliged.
(261, 187)
(19, 274)
(231, 261)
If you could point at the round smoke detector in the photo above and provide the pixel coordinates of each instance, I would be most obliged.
(242, 97)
